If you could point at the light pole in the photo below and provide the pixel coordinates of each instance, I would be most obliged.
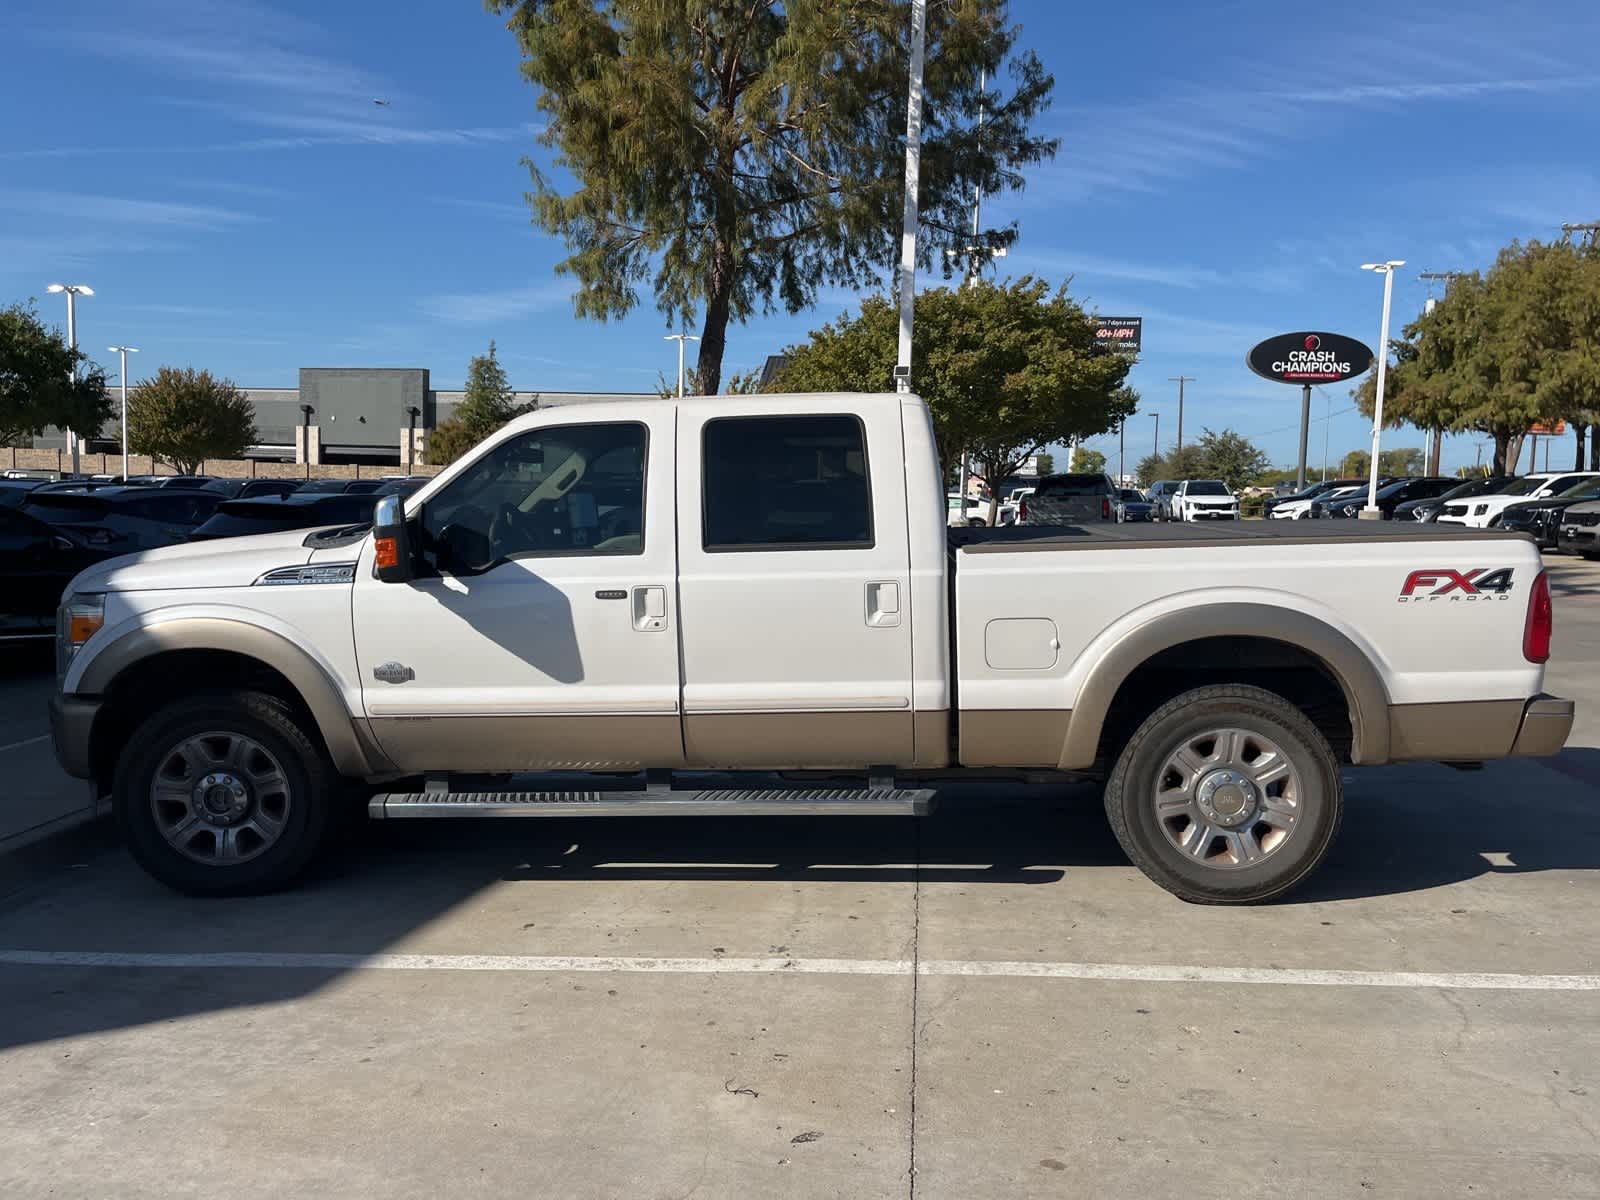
(680, 338)
(1156, 449)
(1180, 380)
(73, 291)
(413, 412)
(1387, 270)
(124, 351)
(908, 223)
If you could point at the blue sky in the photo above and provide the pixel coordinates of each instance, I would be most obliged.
(220, 175)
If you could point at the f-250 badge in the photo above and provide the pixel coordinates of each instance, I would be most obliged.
(1441, 584)
(393, 672)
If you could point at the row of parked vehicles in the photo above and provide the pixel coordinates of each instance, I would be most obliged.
(1077, 497)
(52, 529)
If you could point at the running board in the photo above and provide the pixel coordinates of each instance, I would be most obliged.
(775, 802)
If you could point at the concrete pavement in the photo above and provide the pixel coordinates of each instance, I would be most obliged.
(657, 1008)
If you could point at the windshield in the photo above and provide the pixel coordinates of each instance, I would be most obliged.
(1525, 486)
(1587, 490)
(1477, 487)
(1208, 487)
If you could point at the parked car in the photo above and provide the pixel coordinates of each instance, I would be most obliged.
(269, 514)
(1068, 499)
(1391, 495)
(961, 514)
(1159, 494)
(1542, 518)
(1297, 507)
(765, 583)
(1428, 509)
(1477, 512)
(37, 561)
(1204, 500)
(1132, 506)
(125, 519)
(1579, 528)
(174, 481)
(14, 492)
(245, 489)
(358, 486)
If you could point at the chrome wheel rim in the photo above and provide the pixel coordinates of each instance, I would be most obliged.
(220, 798)
(1228, 798)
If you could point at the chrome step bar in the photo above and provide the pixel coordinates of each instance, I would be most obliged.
(658, 802)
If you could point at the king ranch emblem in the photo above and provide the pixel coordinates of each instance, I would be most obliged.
(1441, 583)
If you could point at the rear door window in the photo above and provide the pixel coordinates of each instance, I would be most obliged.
(786, 483)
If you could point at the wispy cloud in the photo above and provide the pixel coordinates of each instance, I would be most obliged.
(121, 210)
(497, 208)
(1395, 93)
(479, 308)
(350, 136)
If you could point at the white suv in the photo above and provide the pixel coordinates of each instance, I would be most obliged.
(1204, 500)
(1478, 511)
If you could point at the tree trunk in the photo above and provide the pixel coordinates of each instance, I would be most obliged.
(1507, 451)
(1594, 446)
(714, 335)
(1578, 431)
(1435, 451)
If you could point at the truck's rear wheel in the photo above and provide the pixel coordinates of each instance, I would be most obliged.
(225, 794)
(1226, 795)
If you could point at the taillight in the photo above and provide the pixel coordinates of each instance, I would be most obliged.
(1022, 510)
(1105, 508)
(1541, 620)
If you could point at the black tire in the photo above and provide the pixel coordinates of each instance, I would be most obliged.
(311, 792)
(1131, 790)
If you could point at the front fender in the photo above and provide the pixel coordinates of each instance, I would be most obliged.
(1124, 647)
(240, 631)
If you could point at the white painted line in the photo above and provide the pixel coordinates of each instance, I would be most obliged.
(1097, 972)
(33, 741)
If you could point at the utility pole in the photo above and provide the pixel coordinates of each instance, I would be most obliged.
(908, 226)
(1122, 451)
(680, 338)
(1387, 269)
(73, 291)
(1156, 449)
(1436, 434)
(124, 351)
(1589, 229)
(1180, 380)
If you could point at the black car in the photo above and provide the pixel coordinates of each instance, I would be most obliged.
(1310, 492)
(1133, 505)
(172, 481)
(123, 520)
(302, 510)
(14, 492)
(1426, 509)
(1542, 518)
(245, 489)
(358, 486)
(37, 562)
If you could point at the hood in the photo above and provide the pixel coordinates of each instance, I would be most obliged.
(226, 562)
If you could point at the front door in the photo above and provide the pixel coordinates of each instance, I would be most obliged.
(794, 581)
(541, 631)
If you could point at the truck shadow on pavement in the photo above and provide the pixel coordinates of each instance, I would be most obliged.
(414, 886)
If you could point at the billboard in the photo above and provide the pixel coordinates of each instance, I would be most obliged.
(1125, 334)
(1309, 358)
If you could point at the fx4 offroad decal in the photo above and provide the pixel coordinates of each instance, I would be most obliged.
(1480, 583)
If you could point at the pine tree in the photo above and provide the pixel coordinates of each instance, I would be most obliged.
(488, 403)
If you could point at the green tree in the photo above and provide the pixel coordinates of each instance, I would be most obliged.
(1005, 369)
(1355, 465)
(1047, 464)
(487, 403)
(739, 156)
(1400, 461)
(1088, 462)
(36, 388)
(1187, 463)
(1230, 457)
(183, 417)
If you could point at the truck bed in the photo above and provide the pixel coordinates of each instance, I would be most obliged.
(1148, 536)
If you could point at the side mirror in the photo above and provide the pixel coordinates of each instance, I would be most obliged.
(392, 562)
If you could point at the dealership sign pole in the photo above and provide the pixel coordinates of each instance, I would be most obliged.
(1308, 359)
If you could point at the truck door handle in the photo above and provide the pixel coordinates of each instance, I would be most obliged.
(649, 609)
(883, 604)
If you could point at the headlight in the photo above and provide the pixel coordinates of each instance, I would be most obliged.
(77, 620)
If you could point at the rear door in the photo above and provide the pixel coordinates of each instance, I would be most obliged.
(794, 584)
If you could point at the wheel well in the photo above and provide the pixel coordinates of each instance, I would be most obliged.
(1293, 673)
(153, 682)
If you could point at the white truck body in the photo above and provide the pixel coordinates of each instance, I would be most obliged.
(661, 648)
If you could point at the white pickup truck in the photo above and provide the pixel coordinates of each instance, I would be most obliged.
(649, 593)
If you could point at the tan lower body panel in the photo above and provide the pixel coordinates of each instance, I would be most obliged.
(932, 733)
(1022, 737)
(564, 743)
(779, 741)
(1467, 731)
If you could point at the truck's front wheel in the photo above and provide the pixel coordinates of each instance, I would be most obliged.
(225, 794)
(1226, 795)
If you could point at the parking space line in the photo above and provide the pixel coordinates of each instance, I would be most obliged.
(558, 964)
(33, 741)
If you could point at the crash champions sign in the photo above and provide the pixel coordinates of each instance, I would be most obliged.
(1309, 358)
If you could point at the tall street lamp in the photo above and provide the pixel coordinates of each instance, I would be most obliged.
(908, 219)
(1155, 450)
(680, 338)
(124, 351)
(1387, 270)
(73, 291)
